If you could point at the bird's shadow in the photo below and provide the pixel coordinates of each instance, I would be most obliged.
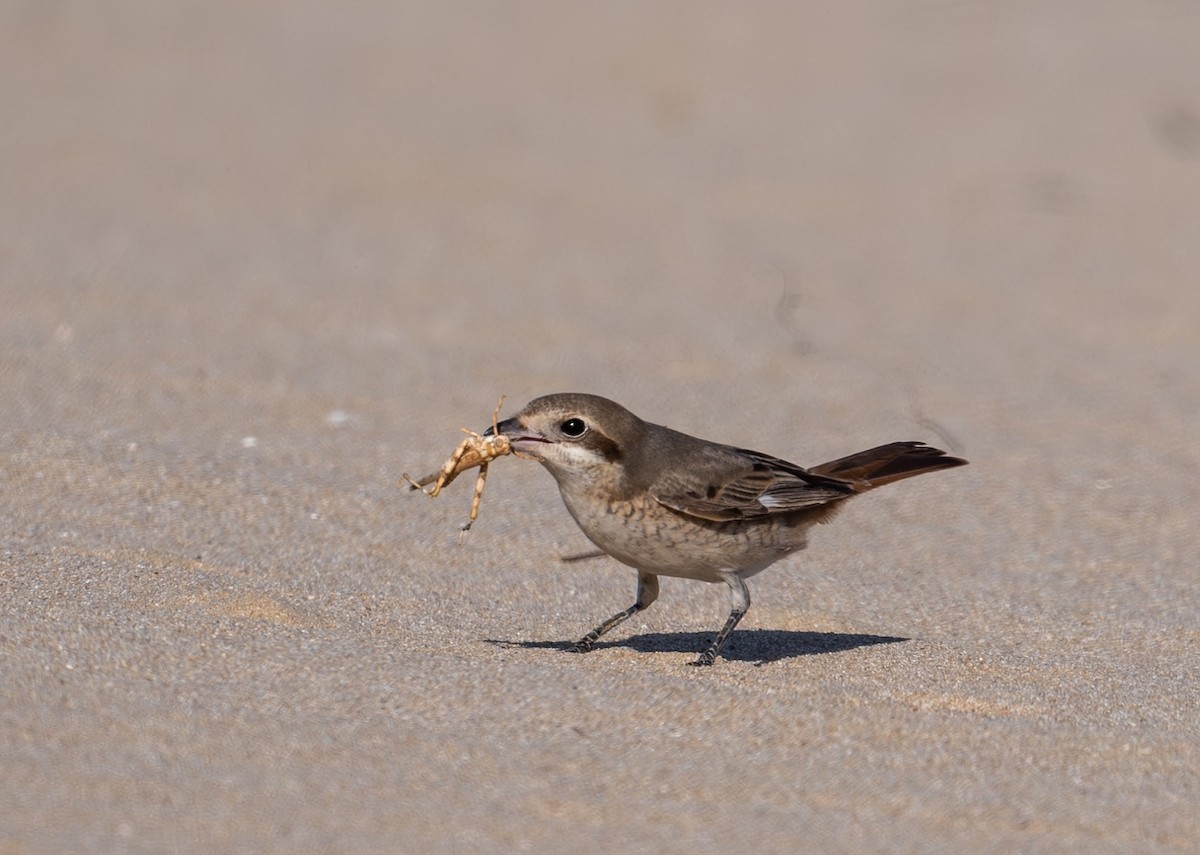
(759, 646)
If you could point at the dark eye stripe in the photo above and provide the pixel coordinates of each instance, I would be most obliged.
(604, 446)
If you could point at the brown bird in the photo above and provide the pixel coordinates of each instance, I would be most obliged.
(669, 504)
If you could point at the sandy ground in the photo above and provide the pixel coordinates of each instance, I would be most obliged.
(256, 260)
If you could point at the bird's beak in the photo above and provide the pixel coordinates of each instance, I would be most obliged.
(523, 439)
(505, 427)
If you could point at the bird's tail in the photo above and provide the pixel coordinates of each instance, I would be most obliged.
(895, 461)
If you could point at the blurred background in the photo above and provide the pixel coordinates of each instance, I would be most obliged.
(256, 259)
(708, 206)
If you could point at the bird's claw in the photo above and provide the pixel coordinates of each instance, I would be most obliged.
(583, 645)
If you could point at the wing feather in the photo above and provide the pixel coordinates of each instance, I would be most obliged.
(747, 485)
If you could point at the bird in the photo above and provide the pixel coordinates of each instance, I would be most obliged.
(669, 504)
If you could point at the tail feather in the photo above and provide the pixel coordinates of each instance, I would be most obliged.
(887, 463)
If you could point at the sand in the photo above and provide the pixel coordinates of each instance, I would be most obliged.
(257, 260)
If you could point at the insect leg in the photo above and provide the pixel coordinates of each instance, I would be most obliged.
(483, 468)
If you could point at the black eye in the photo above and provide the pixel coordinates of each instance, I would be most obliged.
(573, 427)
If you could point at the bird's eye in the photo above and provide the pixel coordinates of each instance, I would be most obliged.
(573, 427)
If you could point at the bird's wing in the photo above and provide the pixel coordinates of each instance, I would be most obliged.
(747, 486)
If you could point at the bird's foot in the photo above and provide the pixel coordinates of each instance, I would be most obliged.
(584, 644)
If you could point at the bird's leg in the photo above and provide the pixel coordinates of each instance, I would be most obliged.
(647, 593)
(739, 595)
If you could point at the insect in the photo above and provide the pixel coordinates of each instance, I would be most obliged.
(475, 450)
